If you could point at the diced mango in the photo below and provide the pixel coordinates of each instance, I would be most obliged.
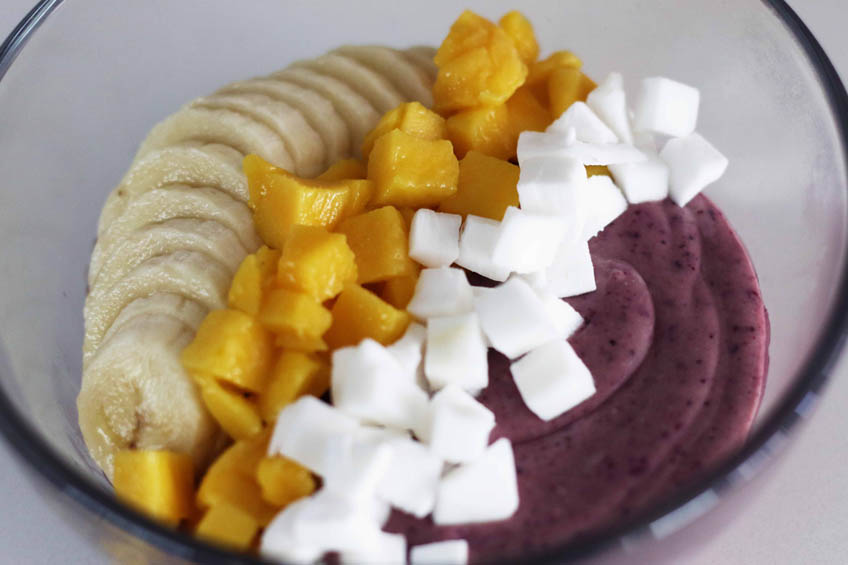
(487, 187)
(361, 194)
(316, 262)
(411, 117)
(485, 129)
(380, 242)
(280, 200)
(232, 347)
(267, 259)
(410, 171)
(478, 65)
(246, 289)
(237, 415)
(399, 290)
(540, 72)
(594, 170)
(407, 214)
(228, 526)
(304, 345)
(358, 314)
(343, 170)
(297, 318)
(157, 483)
(526, 113)
(587, 85)
(294, 375)
(283, 481)
(564, 88)
(520, 30)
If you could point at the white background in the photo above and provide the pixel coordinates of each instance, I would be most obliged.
(801, 515)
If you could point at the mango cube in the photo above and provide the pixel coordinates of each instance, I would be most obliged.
(399, 290)
(344, 170)
(228, 526)
(232, 347)
(316, 262)
(280, 200)
(520, 30)
(596, 170)
(237, 415)
(468, 32)
(283, 481)
(487, 187)
(540, 72)
(564, 88)
(295, 374)
(485, 129)
(526, 113)
(587, 85)
(407, 213)
(411, 117)
(358, 314)
(157, 483)
(297, 318)
(410, 171)
(380, 242)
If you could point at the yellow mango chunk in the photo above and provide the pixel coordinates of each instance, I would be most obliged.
(594, 170)
(380, 242)
(410, 171)
(487, 187)
(407, 214)
(343, 170)
(520, 30)
(228, 526)
(246, 289)
(361, 194)
(294, 375)
(297, 318)
(283, 481)
(237, 415)
(411, 117)
(358, 314)
(526, 113)
(540, 72)
(399, 290)
(280, 200)
(316, 262)
(232, 347)
(486, 129)
(587, 85)
(231, 480)
(478, 65)
(564, 88)
(157, 483)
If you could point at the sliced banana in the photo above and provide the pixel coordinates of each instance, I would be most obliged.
(422, 56)
(317, 110)
(190, 163)
(136, 394)
(226, 127)
(411, 81)
(204, 236)
(176, 202)
(175, 306)
(188, 273)
(301, 141)
(359, 114)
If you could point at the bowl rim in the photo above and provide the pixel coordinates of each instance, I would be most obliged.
(760, 447)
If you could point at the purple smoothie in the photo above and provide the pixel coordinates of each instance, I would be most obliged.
(676, 338)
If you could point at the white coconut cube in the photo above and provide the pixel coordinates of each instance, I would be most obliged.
(642, 182)
(450, 552)
(409, 351)
(477, 245)
(534, 144)
(546, 185)
(565, 318)
(667, 107)
(441, 292)
(434, 238)
(385, 549)
(587, 125)
(336, 523)
(572, 272)
(552, 379)
(412, 478)
(609, 102)
(485, 490)
(459, 425)
(693, 165)
(279, 541)
(456, 353)
(528, 242)
(358, 466)
(514, 318)
(601, 202)
(604, 153)
(367, 382)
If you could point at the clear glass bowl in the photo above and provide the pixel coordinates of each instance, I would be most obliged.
(83, 81)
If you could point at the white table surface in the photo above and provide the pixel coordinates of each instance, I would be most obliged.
(801, 516)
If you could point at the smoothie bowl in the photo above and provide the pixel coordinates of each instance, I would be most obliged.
(637, 420)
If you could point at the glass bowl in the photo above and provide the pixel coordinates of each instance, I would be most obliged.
(83, 81)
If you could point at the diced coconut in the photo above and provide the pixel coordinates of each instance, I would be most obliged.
(642, 182)
(587, 125)
(459, 425)
(693, 165)
(528, 242)
(476, 248)
(434, 238)
(456, 353)
(667, 107)
(441, 292)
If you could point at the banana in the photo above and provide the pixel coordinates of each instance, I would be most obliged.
(167, 304)
(422, 57)
(412, 82)
(317, 110)
(301, 141)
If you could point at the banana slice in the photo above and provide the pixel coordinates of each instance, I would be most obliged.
(191, 163)
(422, 56)
(412, 82)
(301, 141)
(317, 110)
(176, 202)
(370, 85)
(204, 236)
(136, 394)
(166, 304)
(188, 273)
(356, 111)
(226, 127)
